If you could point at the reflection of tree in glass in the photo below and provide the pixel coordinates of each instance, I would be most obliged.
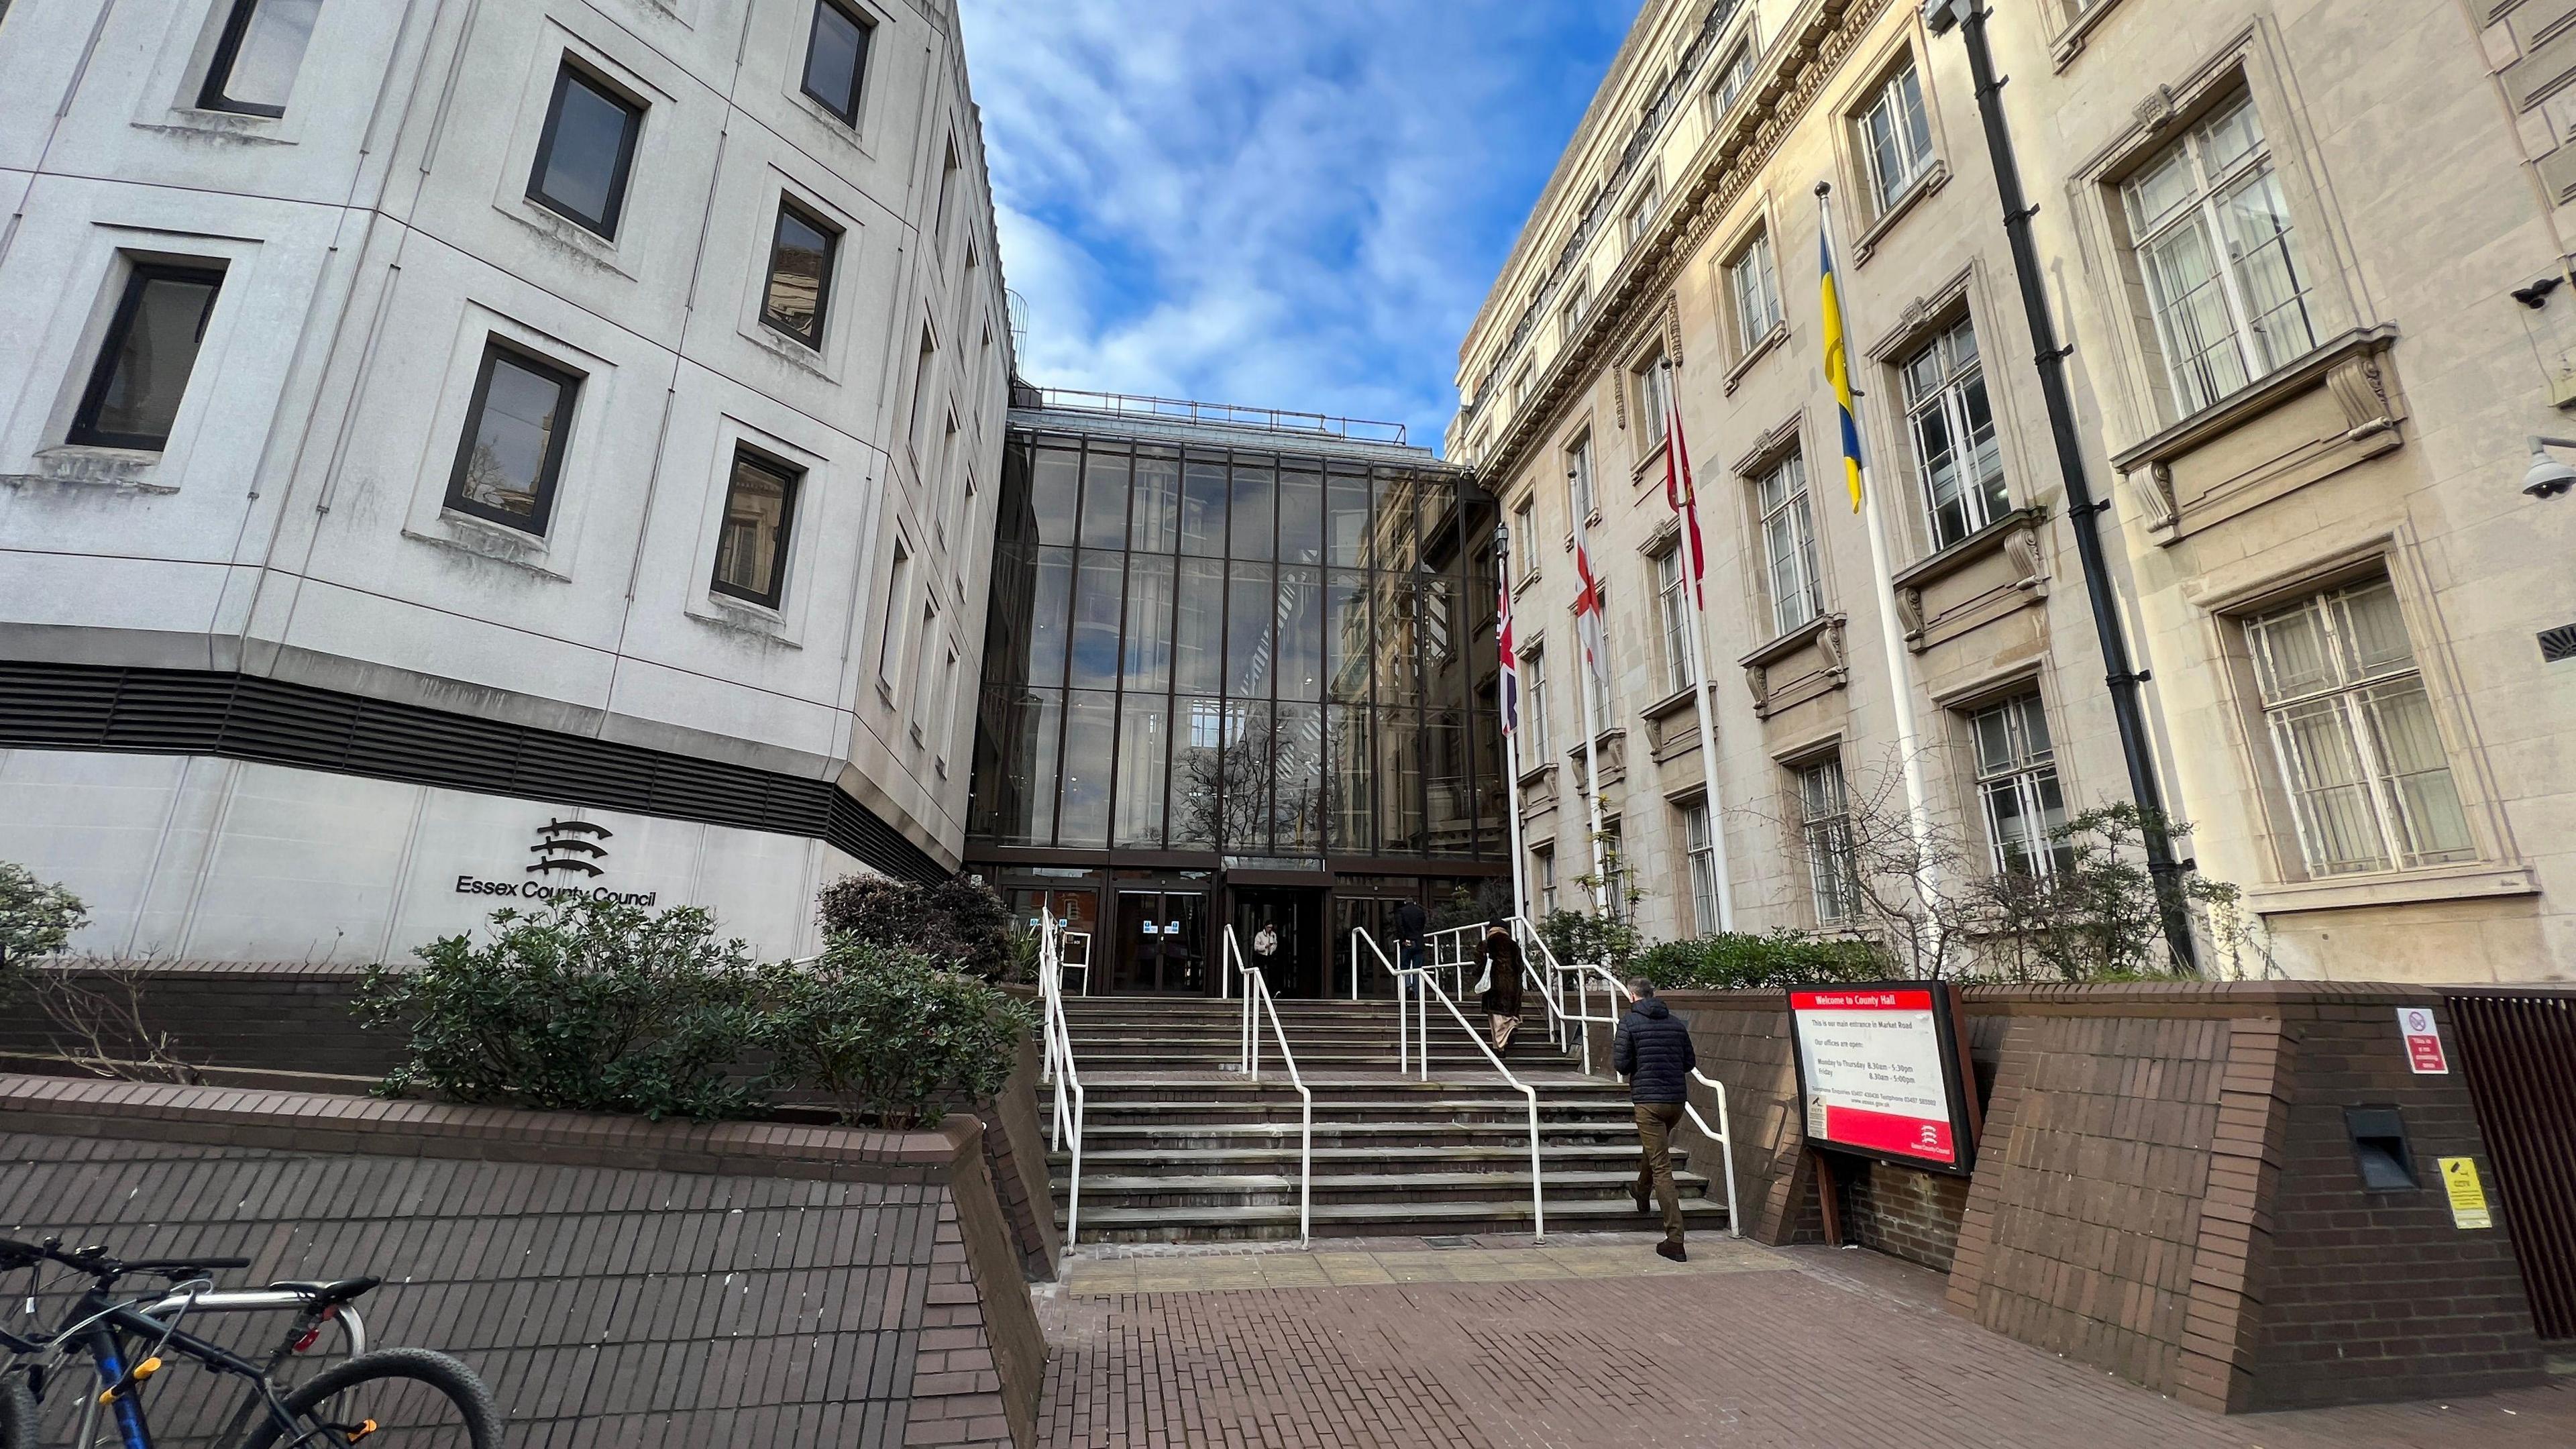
(488, 481)
(1266, 759)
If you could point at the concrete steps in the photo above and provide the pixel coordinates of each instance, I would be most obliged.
(1179, 1147)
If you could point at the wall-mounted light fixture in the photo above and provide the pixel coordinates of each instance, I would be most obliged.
(2547, 477)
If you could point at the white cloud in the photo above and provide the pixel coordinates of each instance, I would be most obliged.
(1295, 206)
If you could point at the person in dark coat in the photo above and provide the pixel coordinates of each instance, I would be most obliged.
(1653, 1051)
(1502, 996)
(1408, 926)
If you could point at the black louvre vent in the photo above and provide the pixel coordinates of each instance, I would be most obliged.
(187, 712)
(2558, 644)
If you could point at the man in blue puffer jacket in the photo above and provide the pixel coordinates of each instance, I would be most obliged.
(1654, 1052)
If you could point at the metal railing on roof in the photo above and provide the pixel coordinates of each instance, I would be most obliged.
(1231, 415)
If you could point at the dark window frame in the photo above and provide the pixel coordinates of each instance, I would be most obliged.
(858, 73)
(219, 74)
(85, 432)
(791, 479)
(549, 474)
(789, 205)
(570, 72)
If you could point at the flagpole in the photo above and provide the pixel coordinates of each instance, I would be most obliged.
(1678, 463)
(1508, 706)
(1900, 677)
(1591, 727)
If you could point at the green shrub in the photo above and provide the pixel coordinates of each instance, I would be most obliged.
(1581, 937)
(585, 1006)
(959, 922)
(36, 919)
(1742, 962)
(886, 1035)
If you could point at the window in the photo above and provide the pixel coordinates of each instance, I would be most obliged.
(1953, 425)
(1521, 386)
(1578, 480)
(1789, 545)
(585, 152)
(1654, 401)
(925, 685)
(256, 60)
(1546, 862)
(1578, 305)
(800, 274)
(1534, 709)
(2214, 239)
(946, 718)
(2353, 731)
(1753, 283)
(512, 452)
(1896, 139)
(1734, 78)
(948, 167)
(1825, 834)
(1641, 212)
(921, 391)
(2017, 787)
(760, 509)
(144, 363)
(890, 643)
(836, 58)
(1672, 612)
(1525, 537)
(1701, 848)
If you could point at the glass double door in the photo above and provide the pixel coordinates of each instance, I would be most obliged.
(1281, 931)
(1162, 943)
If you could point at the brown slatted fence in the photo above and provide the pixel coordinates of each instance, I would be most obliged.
(2518, 1049)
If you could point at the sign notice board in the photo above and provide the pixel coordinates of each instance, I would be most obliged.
(1879, 1073)
(2423, 1041)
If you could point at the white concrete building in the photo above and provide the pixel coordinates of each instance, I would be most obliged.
(450, 448)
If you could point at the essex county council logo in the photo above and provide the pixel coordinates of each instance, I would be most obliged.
(562, 848)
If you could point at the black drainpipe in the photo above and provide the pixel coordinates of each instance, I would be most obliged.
(1970, 17)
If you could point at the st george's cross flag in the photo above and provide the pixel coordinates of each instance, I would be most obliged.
(1678, 490)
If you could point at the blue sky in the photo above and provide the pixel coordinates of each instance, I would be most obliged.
(1286, 206)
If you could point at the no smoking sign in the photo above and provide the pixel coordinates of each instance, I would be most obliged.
(2423, 1041)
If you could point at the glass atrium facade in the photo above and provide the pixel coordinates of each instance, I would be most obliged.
(1218, 667)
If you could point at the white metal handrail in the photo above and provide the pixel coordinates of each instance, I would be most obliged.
(1059, 1069)
(1722, 1135)
(1412, 983)
(1257, 1004)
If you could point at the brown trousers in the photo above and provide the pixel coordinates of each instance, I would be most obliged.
(1655, 1123)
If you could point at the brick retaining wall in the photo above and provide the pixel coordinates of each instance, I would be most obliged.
(614, 1280)
(2165, 1189)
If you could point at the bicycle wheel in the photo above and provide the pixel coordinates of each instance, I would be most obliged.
(17, 1413)
(395, 1398)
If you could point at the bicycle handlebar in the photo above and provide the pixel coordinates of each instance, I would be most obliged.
(95, 1261)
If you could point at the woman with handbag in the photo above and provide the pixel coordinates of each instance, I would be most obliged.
(1498, 991)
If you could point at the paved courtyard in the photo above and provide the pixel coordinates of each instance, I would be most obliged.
(1594, 1341)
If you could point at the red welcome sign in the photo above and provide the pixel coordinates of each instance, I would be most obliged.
(1878, 1073)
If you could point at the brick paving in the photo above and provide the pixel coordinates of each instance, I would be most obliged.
(1596, 1342)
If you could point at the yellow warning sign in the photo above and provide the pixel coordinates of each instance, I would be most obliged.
(2468, 1195)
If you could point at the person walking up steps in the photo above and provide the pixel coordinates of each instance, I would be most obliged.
(1501, 993)
(1408, 926)
(1654, 1052)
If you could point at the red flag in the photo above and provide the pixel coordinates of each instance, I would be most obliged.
(1587, 607)
(1678, 490)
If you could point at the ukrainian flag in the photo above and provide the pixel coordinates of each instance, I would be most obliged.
(1838, 370)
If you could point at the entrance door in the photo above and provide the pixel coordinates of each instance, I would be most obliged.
(1162, 943)
(1295, 914)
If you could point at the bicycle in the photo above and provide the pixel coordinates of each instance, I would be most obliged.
(411, 1396)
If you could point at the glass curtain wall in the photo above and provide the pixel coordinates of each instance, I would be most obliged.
(1239, 653)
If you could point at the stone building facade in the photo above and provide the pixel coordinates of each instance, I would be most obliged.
(455, 451)
(2302, 255)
